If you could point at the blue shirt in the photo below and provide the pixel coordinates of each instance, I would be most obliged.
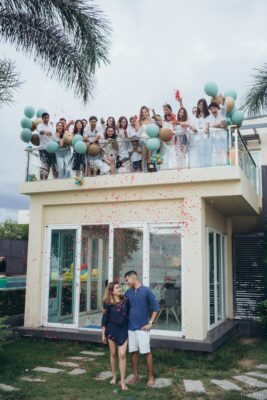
(142, 302)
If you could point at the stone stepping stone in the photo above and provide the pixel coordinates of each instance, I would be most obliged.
(77, 371)
(48, 370)
(77, 358)
(257, 374)
(262, 366)
(67, 364)
(7, 388)
(194, 386)
(102, 376)
(93, 353)
(27, 379)
(250, 381)
(225, 384)
(262, 395)
(161, 383)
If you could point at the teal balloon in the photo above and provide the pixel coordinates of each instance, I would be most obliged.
(40, 112)
(26, 123)
(211, 89)
(237, 117)
(26, 135)
(52, 147)
(153, 144)
(77, 138)
(228, 121)
(230, 93)
(80, 147)
(152, 130)
(29, 111)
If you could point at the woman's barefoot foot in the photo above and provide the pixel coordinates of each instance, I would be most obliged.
(123, 386)
(134, 379)
(113, 381)
(151, 381)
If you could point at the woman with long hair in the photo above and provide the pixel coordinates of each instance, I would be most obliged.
(181, 137)
(200, 142)
(64, 154)
(78, 160)
(111, 148)
(144, 121)
(115, 329)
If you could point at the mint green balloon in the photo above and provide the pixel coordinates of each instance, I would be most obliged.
(228, 121)
(26, 123)
(77, 138)
(80, 147)
(40, 112)
(26, 135)
(230, 93)
(211, 89)
(153, 144)
(29, 111)
(52, 147)
(238, 117)
(152, 130)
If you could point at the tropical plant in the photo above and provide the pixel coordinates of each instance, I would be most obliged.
(9, 81)
(12, 230)
(69, 38)
(255, 99)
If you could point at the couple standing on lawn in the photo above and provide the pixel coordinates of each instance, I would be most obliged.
(127, 320)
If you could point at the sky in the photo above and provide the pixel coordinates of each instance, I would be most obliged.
(157, 46)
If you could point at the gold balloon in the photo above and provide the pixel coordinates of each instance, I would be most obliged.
(229, 103)
(35, 123)
(67, 137)
(35, 139)
(93, 149)
(165, 134)
(218, 99)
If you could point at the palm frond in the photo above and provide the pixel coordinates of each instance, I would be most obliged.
(9, 81)
(79, 23)
(255, 99)
(50, 45)
(83, 20)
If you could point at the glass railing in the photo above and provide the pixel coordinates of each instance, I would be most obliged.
(218, 147)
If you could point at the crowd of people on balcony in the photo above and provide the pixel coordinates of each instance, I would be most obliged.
(122, 143)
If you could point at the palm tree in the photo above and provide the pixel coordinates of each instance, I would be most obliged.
(255, 99)
(69, 38)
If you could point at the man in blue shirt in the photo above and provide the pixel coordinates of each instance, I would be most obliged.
(142, 302)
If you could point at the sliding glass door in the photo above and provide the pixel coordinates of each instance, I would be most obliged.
(62, 277)
(216, 277)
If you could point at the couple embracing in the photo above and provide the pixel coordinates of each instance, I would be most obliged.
(127, 320)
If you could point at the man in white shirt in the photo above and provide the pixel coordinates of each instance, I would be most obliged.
(46, 134)
(92, 133)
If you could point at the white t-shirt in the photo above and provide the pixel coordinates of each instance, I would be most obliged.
(216, 119)
(88, 133)
(136, 156)
(44, 139)
(200, 123)
(133, 132)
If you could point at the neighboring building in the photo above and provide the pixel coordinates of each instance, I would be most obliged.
(177, 228)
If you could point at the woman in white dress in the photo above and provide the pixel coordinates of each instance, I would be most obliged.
(124, 164)
(167, 149)
(181, 138)
(200, 142)
(144, 121)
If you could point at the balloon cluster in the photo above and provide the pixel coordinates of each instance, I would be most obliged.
(156, 136)
(29, 125)
(233, 116)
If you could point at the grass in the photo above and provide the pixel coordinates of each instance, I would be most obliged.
(19, 357)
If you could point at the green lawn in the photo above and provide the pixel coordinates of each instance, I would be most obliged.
(19, 357)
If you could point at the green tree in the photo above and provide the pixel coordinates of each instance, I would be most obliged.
(12, 230)
(255, 99)
(68, 38)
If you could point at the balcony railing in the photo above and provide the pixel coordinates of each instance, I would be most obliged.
(219, 147)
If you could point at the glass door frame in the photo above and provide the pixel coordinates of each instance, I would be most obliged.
(223, 238)
(46, 275)
(146, 262)
(145, 226)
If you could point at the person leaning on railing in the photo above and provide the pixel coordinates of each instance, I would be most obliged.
(63, 155)
(46, 135)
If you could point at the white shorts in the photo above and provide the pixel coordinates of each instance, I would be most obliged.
(139, 341)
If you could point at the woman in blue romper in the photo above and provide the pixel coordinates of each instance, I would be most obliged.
(115, 329)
